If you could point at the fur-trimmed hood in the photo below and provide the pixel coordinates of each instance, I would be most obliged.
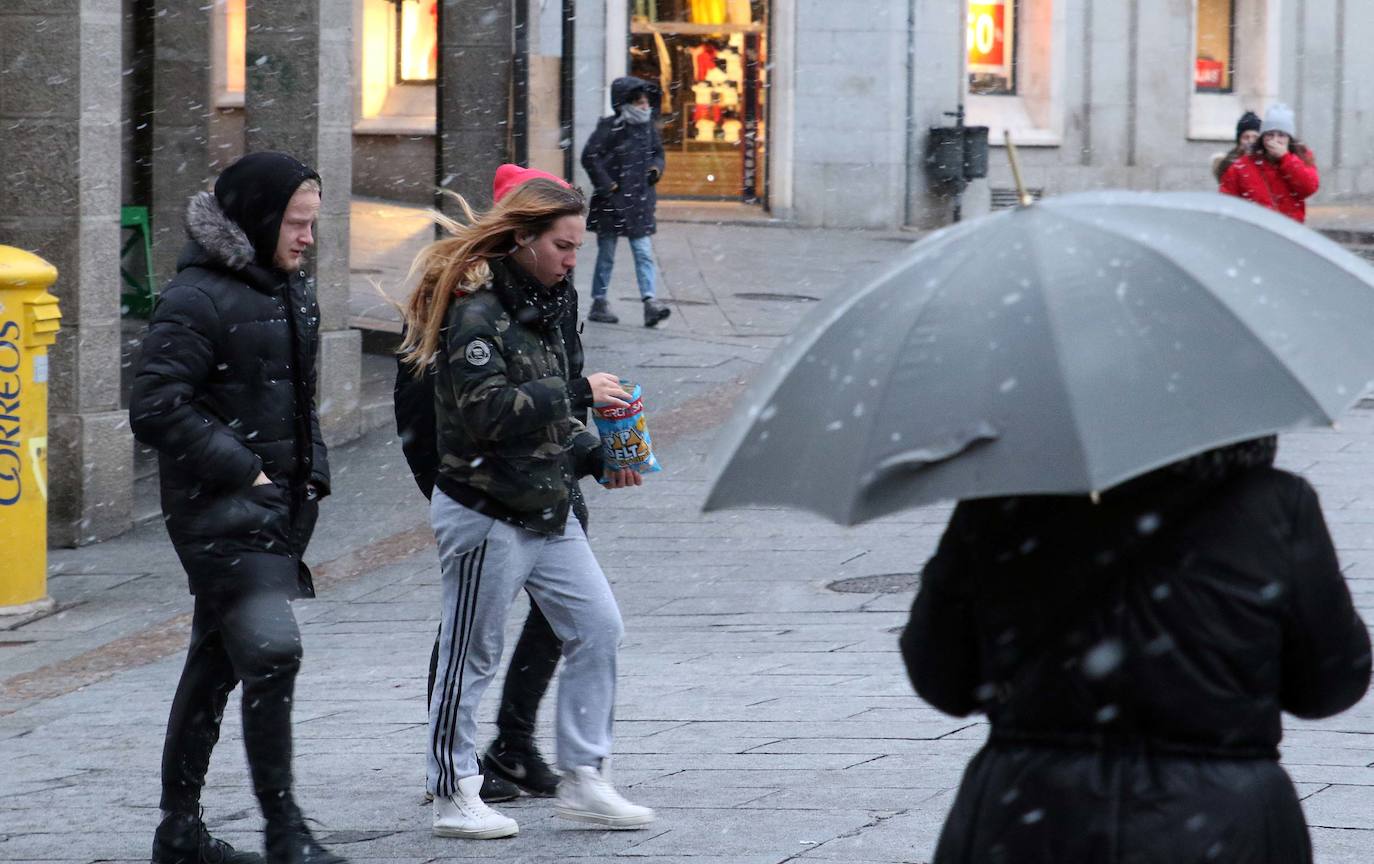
(217, 235)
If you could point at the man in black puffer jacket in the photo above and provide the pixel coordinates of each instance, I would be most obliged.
(226, 394)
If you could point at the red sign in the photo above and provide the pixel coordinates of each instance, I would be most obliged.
(987, 37)
(1210, 74)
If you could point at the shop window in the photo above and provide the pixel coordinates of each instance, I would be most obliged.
(229, 32)
(398, 53)
(1231, 64)
(1214, 68)
(709, 58)
(1017, 52)
(417, 41)
(992, 47)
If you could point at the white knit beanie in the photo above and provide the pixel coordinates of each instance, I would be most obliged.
(1279, 118)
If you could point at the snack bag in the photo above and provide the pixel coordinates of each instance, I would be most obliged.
(625, 435)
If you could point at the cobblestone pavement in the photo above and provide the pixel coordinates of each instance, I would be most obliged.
(764, 715)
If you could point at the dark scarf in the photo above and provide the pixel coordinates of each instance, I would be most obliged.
(528, 301)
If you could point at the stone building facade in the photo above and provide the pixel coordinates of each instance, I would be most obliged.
(1105, 93)
(816, 111)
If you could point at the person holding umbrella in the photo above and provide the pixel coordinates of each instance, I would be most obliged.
(1280, 172)
(1131, 631)
(1132, 656)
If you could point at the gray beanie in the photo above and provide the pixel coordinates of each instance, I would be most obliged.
(1279, 118)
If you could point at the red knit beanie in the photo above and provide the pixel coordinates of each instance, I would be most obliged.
(511, 176)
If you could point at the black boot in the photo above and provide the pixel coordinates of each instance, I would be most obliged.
(654, 311)
(182, 838)
(520, 762)
(290, 842)
(601, 312)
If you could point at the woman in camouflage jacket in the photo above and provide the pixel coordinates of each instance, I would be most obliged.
(487, 314)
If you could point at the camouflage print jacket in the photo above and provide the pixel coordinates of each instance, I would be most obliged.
(509, 445)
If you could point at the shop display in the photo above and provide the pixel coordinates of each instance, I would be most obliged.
(709, 57)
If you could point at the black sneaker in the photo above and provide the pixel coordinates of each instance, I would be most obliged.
(601, 313)
(654, 311)
(183, 839)
(521, 764)
(496, 789)
(293, 843)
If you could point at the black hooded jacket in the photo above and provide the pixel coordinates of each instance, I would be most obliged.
(226, 389)
(1133, 658)
(624, 161)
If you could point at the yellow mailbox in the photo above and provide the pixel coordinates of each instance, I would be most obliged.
(29, 320)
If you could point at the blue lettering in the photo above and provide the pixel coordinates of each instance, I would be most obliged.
(10, 489)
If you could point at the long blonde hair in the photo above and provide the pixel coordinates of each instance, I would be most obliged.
(456, 266)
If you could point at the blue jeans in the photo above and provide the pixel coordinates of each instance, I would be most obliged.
(645, 271)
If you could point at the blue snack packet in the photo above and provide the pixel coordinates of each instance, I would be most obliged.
(625, 441)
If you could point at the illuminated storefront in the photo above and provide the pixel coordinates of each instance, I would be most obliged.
(1216, 38)
(992, 47)
(709, 57)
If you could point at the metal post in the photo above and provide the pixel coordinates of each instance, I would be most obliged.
(520, 86)
(566, 91)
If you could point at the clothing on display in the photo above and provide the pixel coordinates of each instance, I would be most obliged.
(665, 75)
(734, 66)
(732, 131)
(706, 130)
(703, 59)
(647, 9)
(708, 11)
(739, 12)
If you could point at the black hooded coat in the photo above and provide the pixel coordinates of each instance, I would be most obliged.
(226, 389)
(624, 161)
(1133, 658)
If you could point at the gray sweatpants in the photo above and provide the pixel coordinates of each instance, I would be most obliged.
(486, 562)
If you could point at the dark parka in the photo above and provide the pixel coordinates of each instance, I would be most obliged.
(226, 389)
(1133, 658)
(508, 441)
(624, 161)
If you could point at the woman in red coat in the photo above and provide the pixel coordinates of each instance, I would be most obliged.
(1280, 173)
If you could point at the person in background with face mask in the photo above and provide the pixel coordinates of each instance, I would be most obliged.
(624, 158)
(1247, 135)
(1280, 172)
(225, 392)
(487, 314)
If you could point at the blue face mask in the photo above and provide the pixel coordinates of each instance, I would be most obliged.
(635, 114)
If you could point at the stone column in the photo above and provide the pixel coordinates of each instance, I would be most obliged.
(59, 112)
(182, 163)
(299, 100)
(477, 41)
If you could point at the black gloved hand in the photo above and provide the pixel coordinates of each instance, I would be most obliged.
(653, 176)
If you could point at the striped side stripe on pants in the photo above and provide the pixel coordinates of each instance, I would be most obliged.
(450, 693)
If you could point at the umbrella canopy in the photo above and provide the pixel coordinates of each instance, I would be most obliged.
(1059, 348)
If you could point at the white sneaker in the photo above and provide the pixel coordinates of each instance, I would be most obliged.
(465, 815)
(586, 795)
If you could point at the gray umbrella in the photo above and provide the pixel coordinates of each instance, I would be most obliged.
(1062, 347)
